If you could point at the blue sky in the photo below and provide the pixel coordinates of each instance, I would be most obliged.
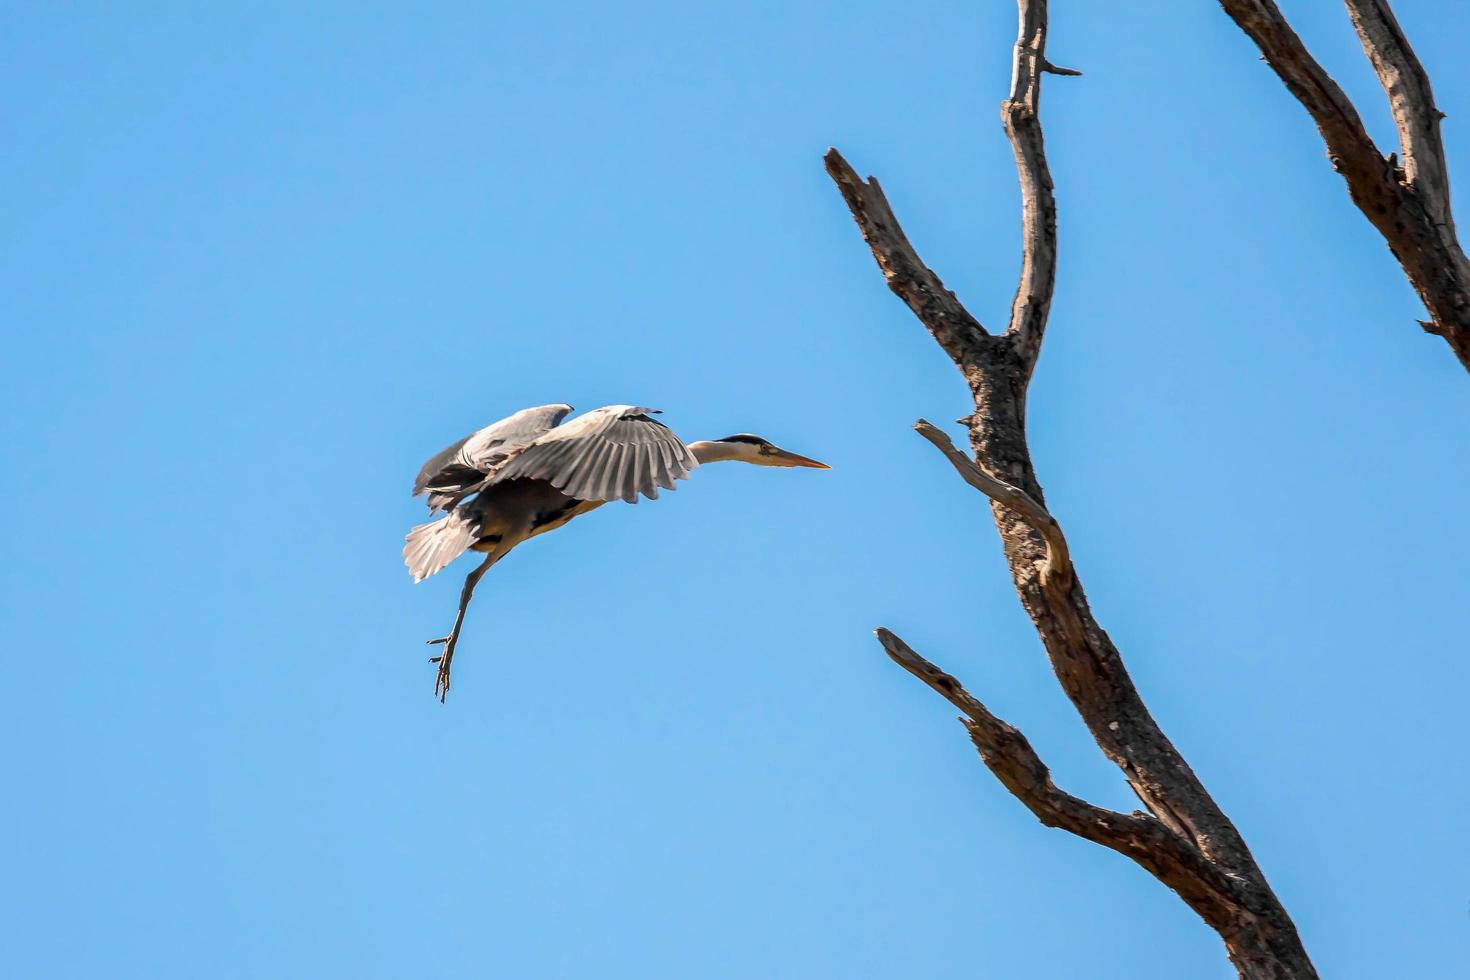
(261, 260)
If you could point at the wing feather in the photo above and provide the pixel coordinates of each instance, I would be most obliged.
(615, 452)
(653, 468)
(663, 471)
(599, 469)
(453, 471)
(642, 465)
(620, 477)
(630, 484)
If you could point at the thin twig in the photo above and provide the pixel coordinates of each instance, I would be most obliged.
(1052, 69)
(1059, 556)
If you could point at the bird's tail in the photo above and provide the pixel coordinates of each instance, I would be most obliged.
(431, 547)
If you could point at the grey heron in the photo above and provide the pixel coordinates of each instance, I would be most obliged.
(529, 474)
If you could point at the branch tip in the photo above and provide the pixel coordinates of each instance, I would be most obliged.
(899, 651)
(1052, 69)
(946, 318)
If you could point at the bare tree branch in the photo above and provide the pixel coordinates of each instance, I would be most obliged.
(1008, 754)
(1411, 99)
(1258, 933)
(1058, 555)
(1020, 113)
(907, 275)
(1410, 206)
(1015, 763)
(1071, 626)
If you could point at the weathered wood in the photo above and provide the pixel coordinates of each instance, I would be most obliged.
(1409, 204)
(1186, 841)
(1137, 835)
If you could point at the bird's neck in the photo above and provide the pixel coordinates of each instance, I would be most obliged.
(714, 452)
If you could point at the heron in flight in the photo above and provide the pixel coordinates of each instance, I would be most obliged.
(529, 474)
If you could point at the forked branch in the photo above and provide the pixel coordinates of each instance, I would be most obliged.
(1058, 555)
(1406, 194)
(1410, 98)
(1008, 754)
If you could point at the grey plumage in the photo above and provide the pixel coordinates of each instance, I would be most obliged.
(529, 474)
(454, 470)
(615, 452)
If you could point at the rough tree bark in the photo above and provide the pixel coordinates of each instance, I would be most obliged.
(1184, 840)
(1409, 201)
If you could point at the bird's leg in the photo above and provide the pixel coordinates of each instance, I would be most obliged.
(441, 682)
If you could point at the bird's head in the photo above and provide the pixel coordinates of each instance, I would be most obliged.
(747, 448)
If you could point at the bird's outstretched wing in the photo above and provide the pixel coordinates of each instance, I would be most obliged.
(454, 471)
(612, 452)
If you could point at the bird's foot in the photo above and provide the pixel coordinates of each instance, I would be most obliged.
(441, 680)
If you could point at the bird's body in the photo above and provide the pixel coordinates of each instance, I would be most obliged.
(527, 475)
(522, 509)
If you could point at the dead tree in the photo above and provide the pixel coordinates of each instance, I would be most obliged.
(1406, 193)
(1184, 839)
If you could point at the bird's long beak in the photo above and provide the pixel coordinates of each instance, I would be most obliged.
(785, 458)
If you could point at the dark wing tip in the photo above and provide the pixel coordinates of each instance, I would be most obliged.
(436, 465)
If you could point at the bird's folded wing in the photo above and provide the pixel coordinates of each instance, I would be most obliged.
(614, 452)
(466, 462)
